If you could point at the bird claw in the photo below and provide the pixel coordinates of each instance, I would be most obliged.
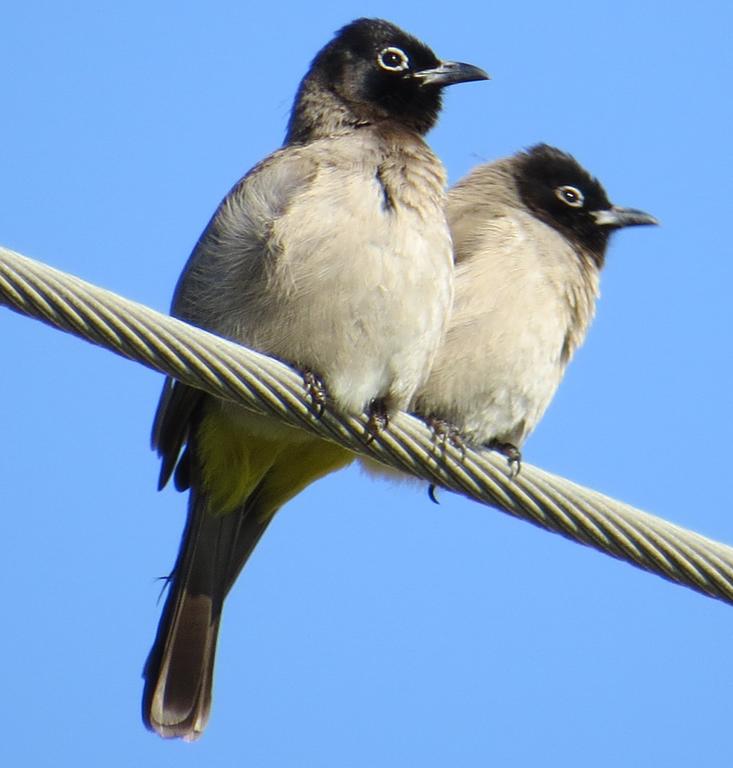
(512, 454)
(378, 418)
(315, 389)
(445, 433)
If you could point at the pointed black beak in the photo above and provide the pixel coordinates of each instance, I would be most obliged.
(448, 73)
(618, 217)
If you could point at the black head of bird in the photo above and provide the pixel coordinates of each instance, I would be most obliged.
(560, 192)
(370, 72)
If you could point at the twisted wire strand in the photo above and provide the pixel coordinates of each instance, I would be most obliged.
(233, 372)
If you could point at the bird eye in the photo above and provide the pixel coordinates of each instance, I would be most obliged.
(571, 196)
(393, 60)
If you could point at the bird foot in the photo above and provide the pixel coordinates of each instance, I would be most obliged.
(315, 389)
(511, 452)
(446, 434)
(378, 418)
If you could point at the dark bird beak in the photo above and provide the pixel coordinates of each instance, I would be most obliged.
(618, 217)
(448, 73)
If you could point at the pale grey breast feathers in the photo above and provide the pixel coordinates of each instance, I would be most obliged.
(357, 288)
(524, 300)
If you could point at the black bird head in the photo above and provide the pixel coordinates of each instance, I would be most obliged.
(370, 72)
(560, 192)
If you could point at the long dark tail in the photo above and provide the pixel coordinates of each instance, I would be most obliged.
(214, 548)
(180, 667)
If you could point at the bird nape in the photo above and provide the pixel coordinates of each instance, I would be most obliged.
(332, 254)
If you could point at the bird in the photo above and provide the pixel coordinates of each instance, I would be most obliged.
(530, 236)
(333, 255)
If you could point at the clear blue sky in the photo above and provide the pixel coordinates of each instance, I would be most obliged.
(371, 628)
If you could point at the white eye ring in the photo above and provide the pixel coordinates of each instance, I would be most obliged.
(393, 59)
(571, 196)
